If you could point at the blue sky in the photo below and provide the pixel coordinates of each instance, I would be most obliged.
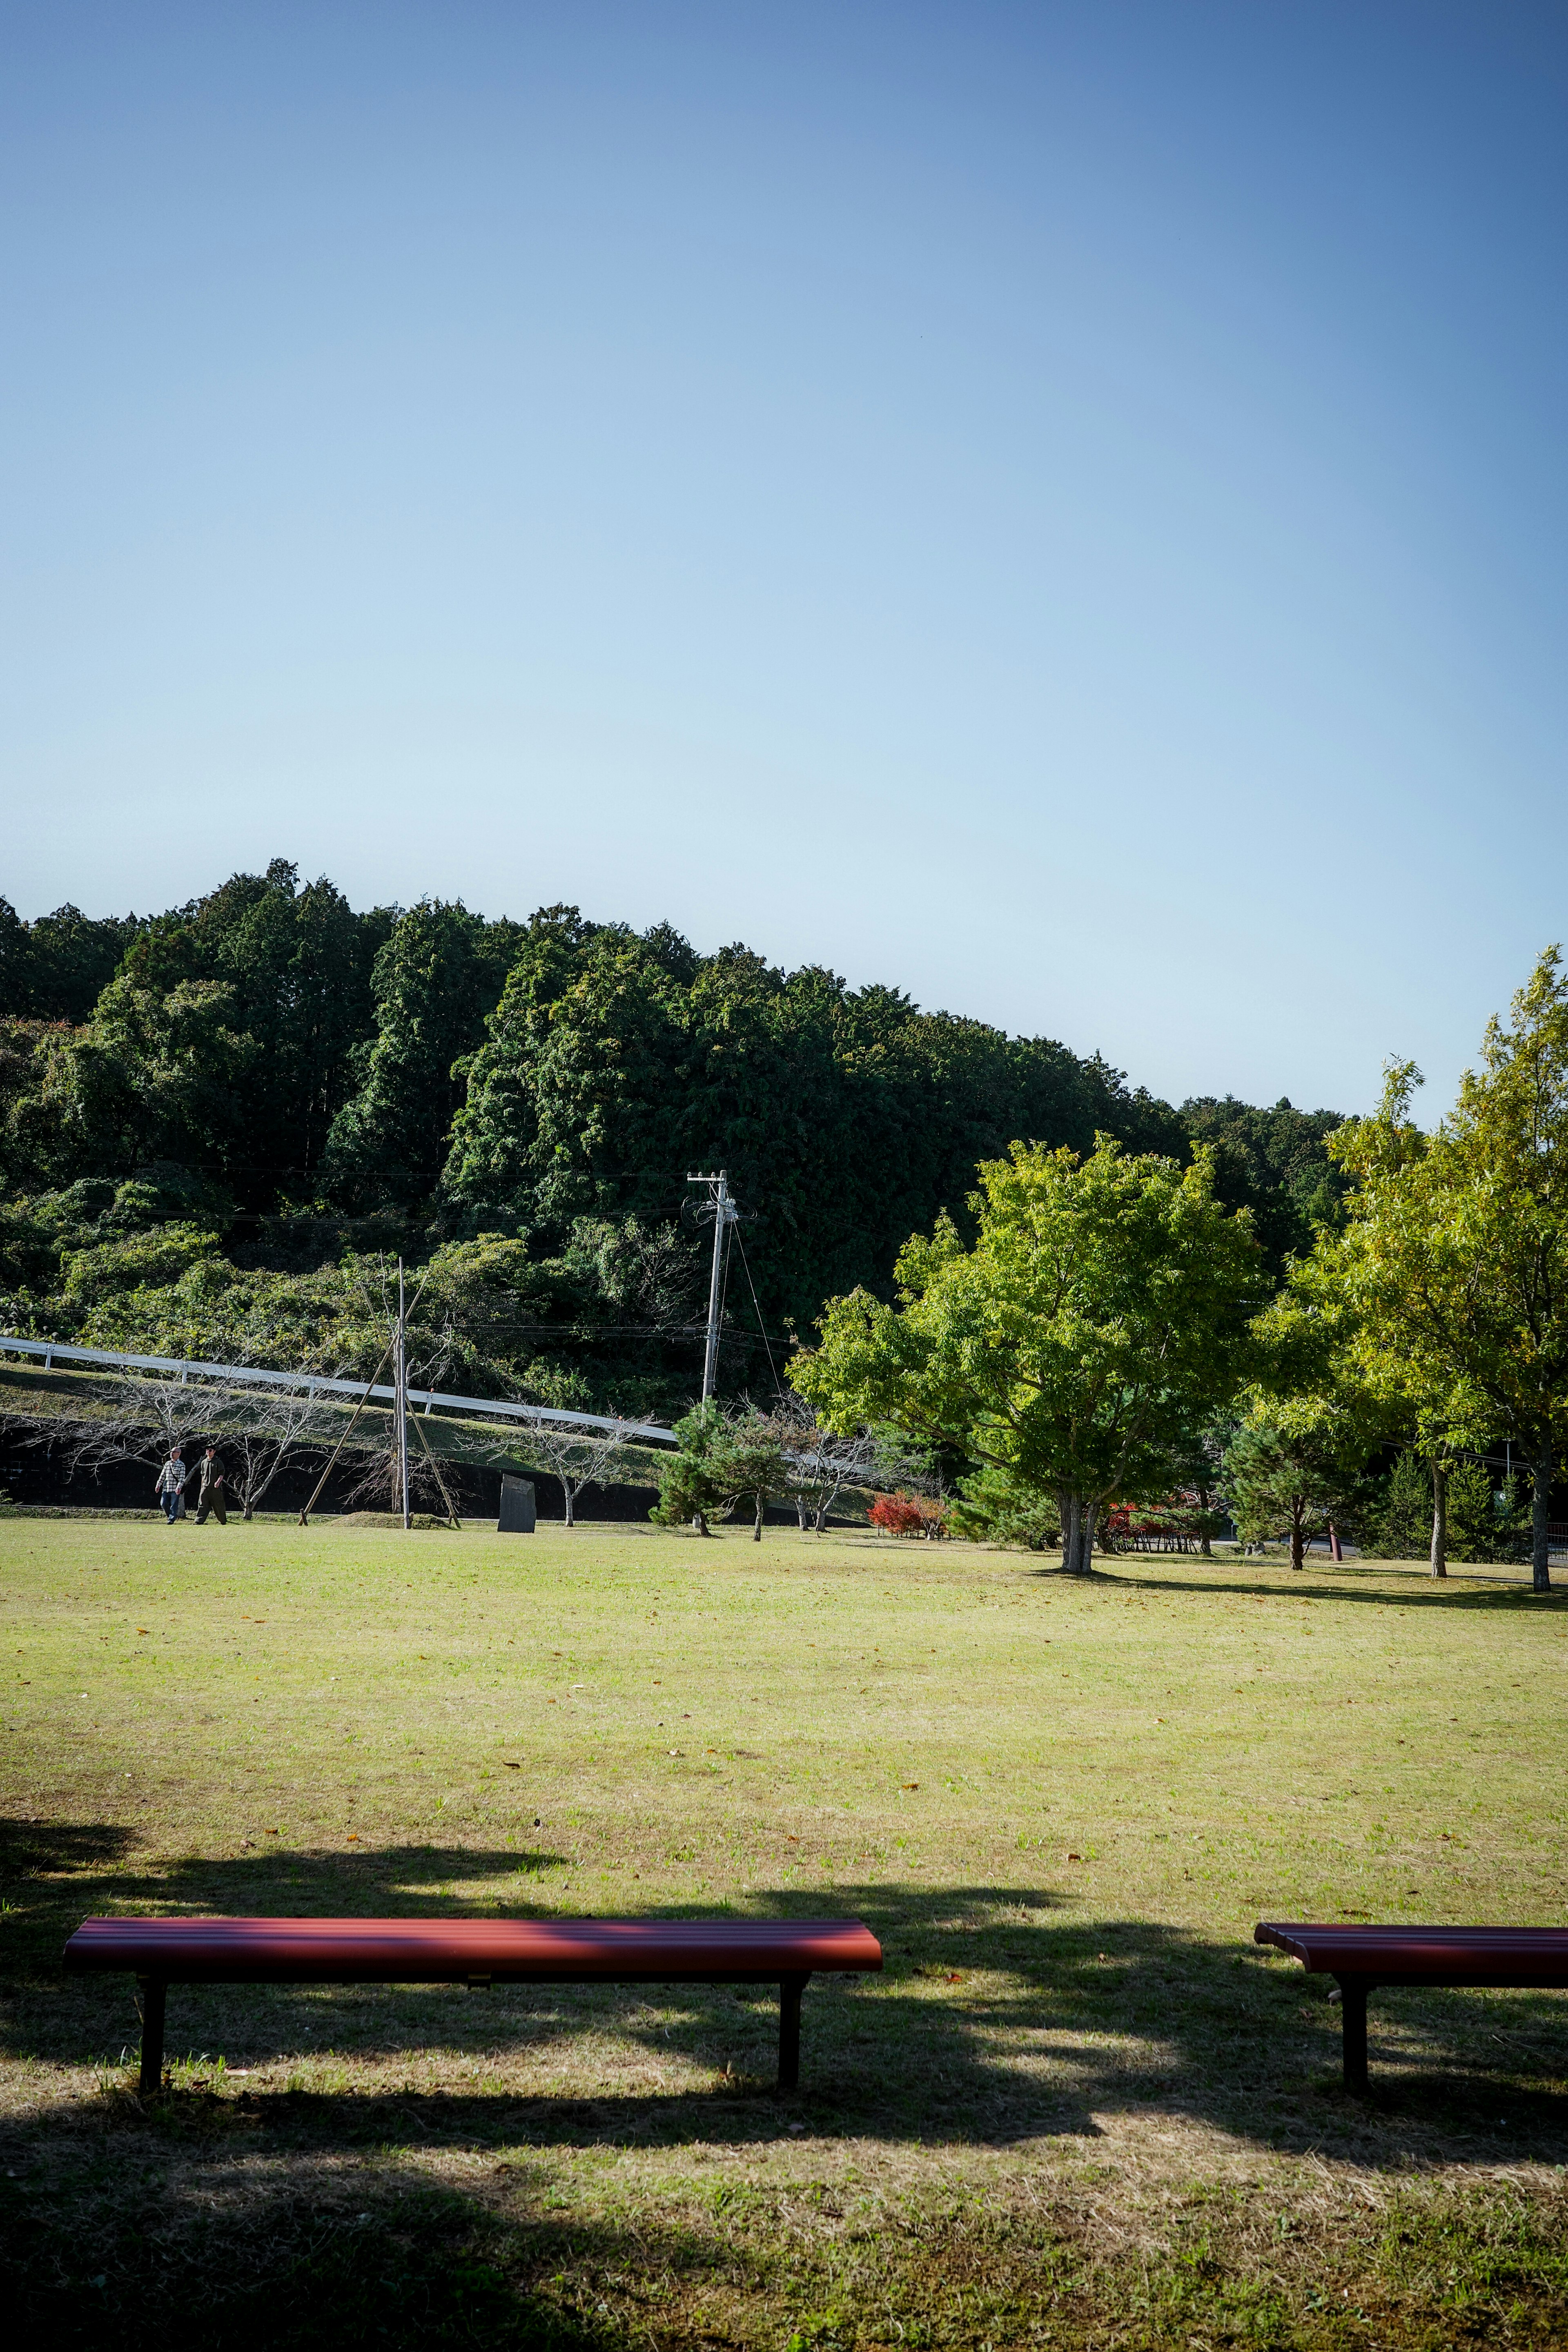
(1059, 507)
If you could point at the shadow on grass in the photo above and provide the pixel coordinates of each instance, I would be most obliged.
(1353, 1582)
(455, 2204)
(993, 2022)
(304, 2259)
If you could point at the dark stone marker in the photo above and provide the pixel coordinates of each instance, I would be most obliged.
(517, 1512)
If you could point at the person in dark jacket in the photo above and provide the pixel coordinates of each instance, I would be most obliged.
(210, 1494)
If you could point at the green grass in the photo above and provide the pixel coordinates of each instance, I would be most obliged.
(1079, 2106)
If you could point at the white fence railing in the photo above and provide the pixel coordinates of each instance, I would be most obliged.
(52, 1352)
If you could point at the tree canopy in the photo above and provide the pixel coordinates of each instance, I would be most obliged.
(299, 1086)
(1098, 1320)
(1453, 1262)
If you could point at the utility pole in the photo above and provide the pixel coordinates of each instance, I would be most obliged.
(724, 1213)
(400, 1405)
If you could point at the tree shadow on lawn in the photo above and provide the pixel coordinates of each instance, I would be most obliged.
(1351, 1584)
(993, 2023)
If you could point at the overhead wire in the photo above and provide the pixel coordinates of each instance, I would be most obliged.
(724, 1264)
(773, 1368)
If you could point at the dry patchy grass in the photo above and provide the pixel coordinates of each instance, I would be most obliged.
(1079, 2107)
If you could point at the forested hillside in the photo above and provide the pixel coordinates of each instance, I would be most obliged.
(219, 1122)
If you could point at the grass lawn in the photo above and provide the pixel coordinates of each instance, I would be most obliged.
(1079, 2107)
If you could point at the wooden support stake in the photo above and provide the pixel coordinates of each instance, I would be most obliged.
(305, 1514)
(435, 1465)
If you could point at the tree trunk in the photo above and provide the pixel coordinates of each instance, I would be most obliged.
(1440, 1521)
(700, 1521)
(566, 1490)
(1541, 1542)
(1298, 1536)
(1079, 1516)
(800, 1511)
(757, 1528)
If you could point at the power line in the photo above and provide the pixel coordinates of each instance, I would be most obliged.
(773, 1368)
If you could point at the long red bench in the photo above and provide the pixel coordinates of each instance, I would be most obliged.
(1361, 1958)
(474, 1952)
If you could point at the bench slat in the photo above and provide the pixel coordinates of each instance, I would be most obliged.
(1525, 1956)
(422, 1951)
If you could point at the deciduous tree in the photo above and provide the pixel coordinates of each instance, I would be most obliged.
(1100, 1319)
(1454, 1258)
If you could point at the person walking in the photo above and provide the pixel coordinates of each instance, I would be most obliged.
(210, 1494)
(171, 1486)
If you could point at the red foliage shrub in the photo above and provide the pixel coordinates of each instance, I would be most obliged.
(896, 1515)
(909, 1515)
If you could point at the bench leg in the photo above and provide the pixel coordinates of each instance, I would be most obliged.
(790, 1990)
(153, 1990)
(1353, 2011)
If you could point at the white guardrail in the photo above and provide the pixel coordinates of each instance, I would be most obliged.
(258, 1376)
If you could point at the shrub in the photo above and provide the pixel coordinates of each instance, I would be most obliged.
(904, 1514)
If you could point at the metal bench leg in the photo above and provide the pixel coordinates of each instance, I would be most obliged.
(1353, 2010)
(790, 1990)
(152, 1989)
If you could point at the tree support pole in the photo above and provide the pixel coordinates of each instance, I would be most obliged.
(435, 1465)
(400, 1379)
(305, 1514)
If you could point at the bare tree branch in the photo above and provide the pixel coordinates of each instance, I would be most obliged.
(147, 1416)
(818, 1467)
(578, 1458)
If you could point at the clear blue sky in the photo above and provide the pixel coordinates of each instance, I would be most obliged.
(1059, 507)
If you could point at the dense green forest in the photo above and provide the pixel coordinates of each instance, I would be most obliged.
(220, 1124)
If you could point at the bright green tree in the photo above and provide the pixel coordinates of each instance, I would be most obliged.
(1333, 1372)
(1455, 1259)
(1100, 1318)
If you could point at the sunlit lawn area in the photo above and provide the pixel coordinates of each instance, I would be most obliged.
(1079, 2107)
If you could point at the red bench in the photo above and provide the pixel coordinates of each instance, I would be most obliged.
(475, 1952)
(1361, 1958)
